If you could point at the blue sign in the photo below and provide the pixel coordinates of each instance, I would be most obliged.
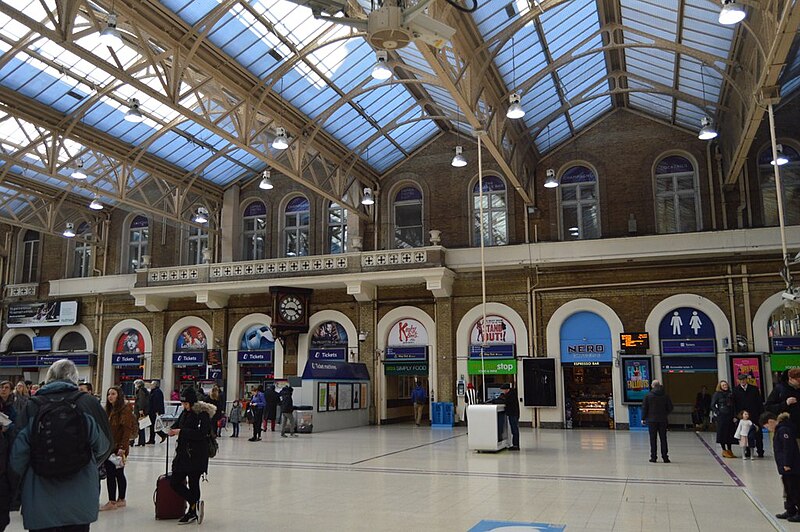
(493, 351)
(688, 347)
(334, 353)
(788, 344)
(501, 526)
(688, 364)
(215, 373)
(319, 370)
(27, 361)
(254, 357)
(585, 339)
(406, 354)
(189, 358)
(125, 360)
(78, 360)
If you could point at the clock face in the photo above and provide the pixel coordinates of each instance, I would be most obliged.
(290, 308)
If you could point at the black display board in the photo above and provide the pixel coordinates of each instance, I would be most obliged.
(539, 375)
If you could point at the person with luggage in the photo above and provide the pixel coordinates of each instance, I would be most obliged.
(235, 417)
(272, 400)
(257, 404)
(287, 413)
(61, 485)
(193, 429)
(123, 427)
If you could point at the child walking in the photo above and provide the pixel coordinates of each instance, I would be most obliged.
(787, 458)
(743, 434)
(235, 417)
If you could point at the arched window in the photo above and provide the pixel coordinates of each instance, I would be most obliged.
(254, 231)
(337, 228)
(408, 218)
(790, 183)
(495, 212)
(72, 341)
(20, 344)
(297, 217)
(29, 268)
(82, 254)
(580, 211)
(198, 243)
(138, 242)
(677, 200)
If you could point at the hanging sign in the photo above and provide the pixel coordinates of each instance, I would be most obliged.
(254, 357)
(125, 360)
(42, 314)
(687, 331)
(189, 358)
(786, 344)
(332, 353)
(406, 354)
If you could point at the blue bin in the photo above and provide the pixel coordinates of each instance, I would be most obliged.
(635, 418)
(442, 415)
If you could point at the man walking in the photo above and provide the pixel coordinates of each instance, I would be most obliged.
(418, 399)
(655, 412)
(156, 409)
(141, 406)
(508, 397)
(747, 397)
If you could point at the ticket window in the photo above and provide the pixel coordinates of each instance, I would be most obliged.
(186, 377)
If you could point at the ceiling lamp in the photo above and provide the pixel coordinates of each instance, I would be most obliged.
(707, 131)
(281, 141)
(732, 12)
(201, 215)
(69, 230)
(459, 161)
(134, 114)
(266, 182)
(381, 72)
(551, 181)
(367, 198)
(781, 159)
(77, 172)
(95, 205)
(110, 35)
(515, 110)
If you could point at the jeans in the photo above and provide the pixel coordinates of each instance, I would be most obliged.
(235, 429)
(288, 424)
(115, 478)
(658, 428)
(513, 421)
(191, 493)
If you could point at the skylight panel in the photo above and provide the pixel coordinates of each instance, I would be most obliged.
(12, 29)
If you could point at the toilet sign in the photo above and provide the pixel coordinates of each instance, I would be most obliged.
(687, 331)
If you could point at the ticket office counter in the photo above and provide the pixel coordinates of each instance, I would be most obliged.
(489, 430)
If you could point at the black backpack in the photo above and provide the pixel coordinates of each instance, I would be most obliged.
(59, 439)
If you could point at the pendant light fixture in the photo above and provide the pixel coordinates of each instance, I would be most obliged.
(781, 159)
(134, 114)
(110, 35)
(367, 198)
(96, 205)
(281, 140)
(69, 230)
(201, 215)
(458, 160)
(515, 109)
(381, 71)
(707, 131)
(77, 172)
(266, 181)
(732, 12)
(551, 181)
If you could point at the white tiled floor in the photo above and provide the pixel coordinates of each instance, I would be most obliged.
(401, 478)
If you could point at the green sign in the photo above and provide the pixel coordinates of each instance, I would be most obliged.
(503, 366)
(406, 368)
(783, 362)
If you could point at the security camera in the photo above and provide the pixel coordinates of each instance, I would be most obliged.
(551, 172)
(791, 295)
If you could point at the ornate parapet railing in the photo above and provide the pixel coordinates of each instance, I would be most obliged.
(22, 290)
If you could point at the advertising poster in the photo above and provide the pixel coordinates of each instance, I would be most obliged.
(495, 331)
(332, 396)
(322, 397)
(750, 366)
(257, 338)
(364, 400)
(130, 341)
(637, 372)
(345, 401)
(191, 339)
(329, 334)
(407, 333)
(43, 314)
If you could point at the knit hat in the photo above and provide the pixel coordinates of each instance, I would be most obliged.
(189, 395)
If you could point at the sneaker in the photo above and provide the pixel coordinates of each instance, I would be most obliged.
(190, 517)
(252, 439)
(667, 461)
(653, 460)
(785, 515)
(201, 507)
(794, 518)
(121, 503)
(110, 505)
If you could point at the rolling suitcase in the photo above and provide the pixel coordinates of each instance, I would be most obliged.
(169, 505)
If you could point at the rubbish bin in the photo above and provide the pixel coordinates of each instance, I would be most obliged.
(442, 415)
(304, 419)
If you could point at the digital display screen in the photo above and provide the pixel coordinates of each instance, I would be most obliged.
(41, 343)
(635, 340)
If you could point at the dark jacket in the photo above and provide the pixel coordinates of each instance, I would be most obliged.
(749, 399)
(191, 456)
(287, 404)
(776, 403)
(272, 399)
(511, 402)
(785, 447)
(702, 403)
(722, 404)
(156, 401)
(141, 402)
(656, 406)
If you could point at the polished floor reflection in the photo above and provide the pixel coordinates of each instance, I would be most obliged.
(401, 478)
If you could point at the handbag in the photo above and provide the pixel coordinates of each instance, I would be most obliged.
(117, 460)
(213, 447)
(144, 422)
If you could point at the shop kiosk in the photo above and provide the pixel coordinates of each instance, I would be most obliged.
(488, 428)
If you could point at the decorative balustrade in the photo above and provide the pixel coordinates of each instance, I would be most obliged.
(22, 290)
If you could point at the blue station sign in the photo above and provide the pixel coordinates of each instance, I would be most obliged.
(687, 331)
(493, 351)
(412, 353)
(254, 357)
(189, 358)
(331, 353)
(124, 359)
(786, 344)
(42, 361)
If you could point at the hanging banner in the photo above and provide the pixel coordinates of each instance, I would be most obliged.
(637, 373)
(42, 314)
(408, 332)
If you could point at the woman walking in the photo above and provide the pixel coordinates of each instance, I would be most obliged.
(124, 427)
(193, 429)
(725, 418)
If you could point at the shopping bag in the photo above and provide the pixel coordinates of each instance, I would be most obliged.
(144, 422)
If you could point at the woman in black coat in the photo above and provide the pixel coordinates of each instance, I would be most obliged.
(271, 411)
(724, 417)
(193, 429)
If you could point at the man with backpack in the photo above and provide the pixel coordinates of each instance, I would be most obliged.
(57, 452)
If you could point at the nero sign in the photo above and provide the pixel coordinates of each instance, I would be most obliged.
(328, 354)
